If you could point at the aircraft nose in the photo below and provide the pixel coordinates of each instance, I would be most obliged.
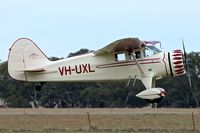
(177, 63)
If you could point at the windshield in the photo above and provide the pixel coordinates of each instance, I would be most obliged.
(154, 49)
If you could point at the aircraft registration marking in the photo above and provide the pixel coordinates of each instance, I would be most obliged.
(76, 69)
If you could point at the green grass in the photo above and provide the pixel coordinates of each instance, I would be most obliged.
(102, 121)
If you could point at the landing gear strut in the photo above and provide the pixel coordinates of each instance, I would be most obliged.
(154, 102)
(154, 105)
(130, 88)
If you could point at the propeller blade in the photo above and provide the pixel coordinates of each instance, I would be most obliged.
(186, 60)
(184, 51)
(186, 64)
(189, 78)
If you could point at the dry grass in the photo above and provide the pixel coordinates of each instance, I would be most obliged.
(102, 120)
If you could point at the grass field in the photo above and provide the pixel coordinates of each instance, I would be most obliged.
(109, 120)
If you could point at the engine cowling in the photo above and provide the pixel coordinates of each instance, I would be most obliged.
(152, 95)
(176, 63)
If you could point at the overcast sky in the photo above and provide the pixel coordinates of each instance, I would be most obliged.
(59, 27)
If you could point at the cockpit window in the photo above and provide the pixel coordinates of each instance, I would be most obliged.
(126, 56)
(153, 49)
(138, 53)
(120, 57)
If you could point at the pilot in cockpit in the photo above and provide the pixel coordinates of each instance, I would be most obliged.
(138, 54)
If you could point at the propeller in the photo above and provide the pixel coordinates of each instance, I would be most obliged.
(187, 68)
(186, 63)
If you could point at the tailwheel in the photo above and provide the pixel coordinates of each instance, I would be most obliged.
(39, 86)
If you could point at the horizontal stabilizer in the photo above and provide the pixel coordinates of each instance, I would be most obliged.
(35, 70)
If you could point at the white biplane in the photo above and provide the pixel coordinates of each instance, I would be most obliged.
(124, 59)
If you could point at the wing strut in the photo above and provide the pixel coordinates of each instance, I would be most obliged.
(138, 65)
(146, 78)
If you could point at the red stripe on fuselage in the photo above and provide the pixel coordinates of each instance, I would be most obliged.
(129, 63)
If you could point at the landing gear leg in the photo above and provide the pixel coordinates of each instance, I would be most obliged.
(130, 88)
(154, 105)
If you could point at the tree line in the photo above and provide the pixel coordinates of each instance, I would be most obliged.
(17, 94)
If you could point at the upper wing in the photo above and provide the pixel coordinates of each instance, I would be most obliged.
(126, 44)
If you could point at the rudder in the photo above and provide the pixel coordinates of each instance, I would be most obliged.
(24, 55)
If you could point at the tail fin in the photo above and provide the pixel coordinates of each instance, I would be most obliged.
(25, 56)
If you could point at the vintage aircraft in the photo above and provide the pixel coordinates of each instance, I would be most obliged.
(124, 59)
